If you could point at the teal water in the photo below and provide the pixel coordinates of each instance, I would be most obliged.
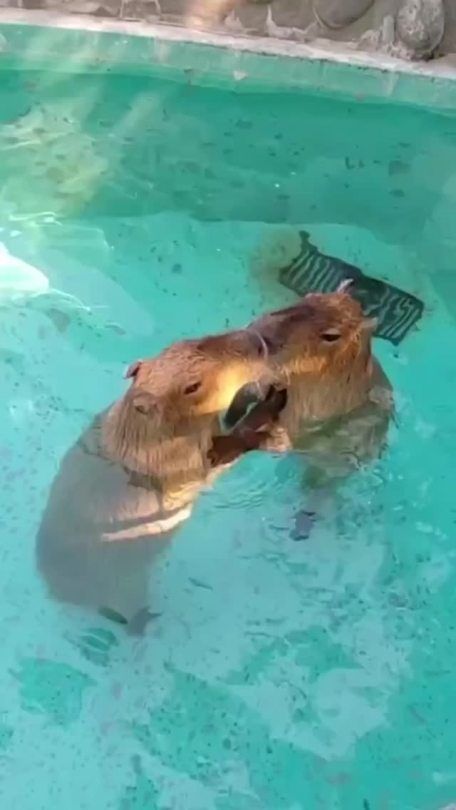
(280, 675)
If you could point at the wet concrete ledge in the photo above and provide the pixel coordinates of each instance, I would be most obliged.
(411, 29)
(38, 38)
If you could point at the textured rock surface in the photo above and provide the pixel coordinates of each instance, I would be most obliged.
(140, 9)
(420, 26)
(413, 29)
(337, 14)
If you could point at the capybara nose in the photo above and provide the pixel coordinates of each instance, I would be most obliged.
(245, 400)
(144, 403)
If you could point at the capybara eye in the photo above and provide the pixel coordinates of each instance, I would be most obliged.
(191, 389)
(330, 336)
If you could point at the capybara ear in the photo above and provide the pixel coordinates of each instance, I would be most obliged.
(345, 285)
(133, 369)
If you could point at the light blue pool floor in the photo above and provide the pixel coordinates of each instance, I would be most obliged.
(280, 675)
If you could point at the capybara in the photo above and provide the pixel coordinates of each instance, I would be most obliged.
(339, 401)
(133, 475)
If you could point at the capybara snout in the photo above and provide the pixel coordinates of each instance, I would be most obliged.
(144, 403)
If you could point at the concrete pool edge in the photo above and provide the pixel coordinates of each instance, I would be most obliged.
(40, 39)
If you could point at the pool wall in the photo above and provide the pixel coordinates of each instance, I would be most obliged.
(411, 29)
(36, 39)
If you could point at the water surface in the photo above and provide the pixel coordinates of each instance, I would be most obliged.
(281, 675)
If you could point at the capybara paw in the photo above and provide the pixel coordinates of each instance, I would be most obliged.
(139, 622)
(303, 524)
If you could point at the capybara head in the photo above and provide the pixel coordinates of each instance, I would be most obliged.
(193, 380)
(323, 332)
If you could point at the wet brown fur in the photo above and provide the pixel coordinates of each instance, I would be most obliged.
(339, 399)
(141, 462)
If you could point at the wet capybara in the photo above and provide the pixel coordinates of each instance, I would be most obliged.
(339, 400)
(133, 475)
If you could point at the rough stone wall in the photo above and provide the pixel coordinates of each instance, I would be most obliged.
(413, 29)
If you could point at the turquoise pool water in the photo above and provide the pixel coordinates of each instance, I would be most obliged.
(280, 675)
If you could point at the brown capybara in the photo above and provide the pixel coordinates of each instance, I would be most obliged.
(339, 401)
(133, 475)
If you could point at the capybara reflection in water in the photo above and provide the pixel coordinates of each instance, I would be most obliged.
(134, 474)
(339, 400)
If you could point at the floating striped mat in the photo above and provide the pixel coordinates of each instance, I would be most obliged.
(311, 271)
